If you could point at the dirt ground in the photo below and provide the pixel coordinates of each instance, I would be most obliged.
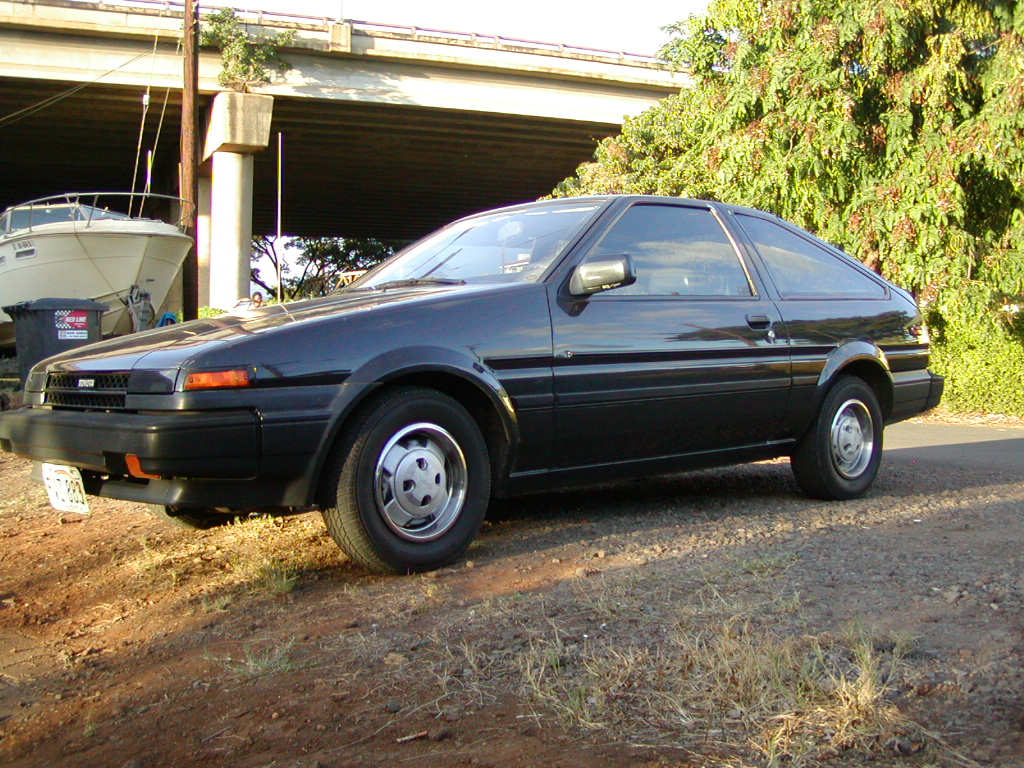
(714, 618)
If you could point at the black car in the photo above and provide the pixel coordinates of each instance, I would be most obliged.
(535, 346)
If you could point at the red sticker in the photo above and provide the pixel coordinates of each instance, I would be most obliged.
(72, 320)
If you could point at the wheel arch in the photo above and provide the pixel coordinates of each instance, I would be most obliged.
(468, 382)
(490, 408)
(865, 361)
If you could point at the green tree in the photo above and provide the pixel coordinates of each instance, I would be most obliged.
(316, 264)
(891, 127)
(267, 248)
(246, 59)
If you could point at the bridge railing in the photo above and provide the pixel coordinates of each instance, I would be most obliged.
(392, 30)
(499, 41)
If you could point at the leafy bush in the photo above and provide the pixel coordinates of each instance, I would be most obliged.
(979, 353)
(893, 128)
(245, 58)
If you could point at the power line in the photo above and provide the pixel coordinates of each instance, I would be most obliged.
(31, 110)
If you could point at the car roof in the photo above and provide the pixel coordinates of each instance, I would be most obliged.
(629, 198)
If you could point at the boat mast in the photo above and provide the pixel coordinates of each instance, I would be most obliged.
(190, 159)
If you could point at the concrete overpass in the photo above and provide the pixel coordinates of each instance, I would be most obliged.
(386, 131)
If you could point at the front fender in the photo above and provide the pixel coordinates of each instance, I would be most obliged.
(411, 361)
(417, 363)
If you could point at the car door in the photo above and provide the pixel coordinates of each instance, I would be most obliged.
(691, 357)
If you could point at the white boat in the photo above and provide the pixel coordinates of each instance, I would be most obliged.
(107, 246)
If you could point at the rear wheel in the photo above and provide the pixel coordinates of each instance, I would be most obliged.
(839, 455)
(409, 482)
(197, 518)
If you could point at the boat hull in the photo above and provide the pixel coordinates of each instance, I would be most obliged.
(100, 262)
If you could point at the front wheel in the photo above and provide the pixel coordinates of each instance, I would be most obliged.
(839, 455)
(408, 485)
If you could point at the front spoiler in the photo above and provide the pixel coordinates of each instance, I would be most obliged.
(206, 444)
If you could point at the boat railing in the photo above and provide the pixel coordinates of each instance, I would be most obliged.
(85, 208)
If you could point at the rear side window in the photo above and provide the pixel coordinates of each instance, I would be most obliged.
(803, 270)
(676, 251)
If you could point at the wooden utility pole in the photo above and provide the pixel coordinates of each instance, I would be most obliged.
(190, 159)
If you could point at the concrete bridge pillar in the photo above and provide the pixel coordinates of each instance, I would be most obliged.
(231, 228)
(203, 239)
(239, 126)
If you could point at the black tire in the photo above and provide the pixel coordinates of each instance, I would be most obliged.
(838, 457)
(408, 484)
(196, 518)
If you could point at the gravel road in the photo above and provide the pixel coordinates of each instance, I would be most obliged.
(573, 636)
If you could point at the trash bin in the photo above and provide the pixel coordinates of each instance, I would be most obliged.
(46, 327)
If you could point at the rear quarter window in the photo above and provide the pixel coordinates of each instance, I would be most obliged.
(802, 269)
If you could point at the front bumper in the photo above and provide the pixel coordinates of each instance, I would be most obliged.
(203, 459)
(245, 449)
(206, 444)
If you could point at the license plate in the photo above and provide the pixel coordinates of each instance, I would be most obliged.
(65, 489)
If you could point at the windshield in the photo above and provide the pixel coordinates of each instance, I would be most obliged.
(512, 246)
(28, 216)
(33, 216)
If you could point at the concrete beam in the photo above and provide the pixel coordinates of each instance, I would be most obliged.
(121, 62)
(78, 42)
(239, 122)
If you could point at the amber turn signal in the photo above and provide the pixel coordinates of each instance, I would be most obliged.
(218, 379)
(135, 468)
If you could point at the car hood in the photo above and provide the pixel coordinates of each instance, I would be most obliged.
(190, 344)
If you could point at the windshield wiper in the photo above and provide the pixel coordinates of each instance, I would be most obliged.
(414, 281)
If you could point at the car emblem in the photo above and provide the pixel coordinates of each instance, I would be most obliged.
(86, 383)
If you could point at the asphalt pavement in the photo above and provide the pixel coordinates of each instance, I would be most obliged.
(964, 446)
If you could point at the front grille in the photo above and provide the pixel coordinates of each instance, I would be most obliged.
(86, 390)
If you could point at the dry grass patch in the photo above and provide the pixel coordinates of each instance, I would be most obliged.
(715, 660)
(262, 554)
(727, 670)
(275, 577)
(735, 686)
(259, 660)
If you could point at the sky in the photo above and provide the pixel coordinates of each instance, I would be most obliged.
(630, 27)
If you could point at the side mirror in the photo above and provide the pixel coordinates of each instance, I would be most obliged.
(592, 277)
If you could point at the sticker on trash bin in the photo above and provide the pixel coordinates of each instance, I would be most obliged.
(72, 324)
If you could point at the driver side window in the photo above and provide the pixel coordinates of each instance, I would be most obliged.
(676, 251)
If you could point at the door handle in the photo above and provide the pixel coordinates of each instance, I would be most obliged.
(759, 322)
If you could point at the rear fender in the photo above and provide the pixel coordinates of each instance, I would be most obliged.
(862, 359)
